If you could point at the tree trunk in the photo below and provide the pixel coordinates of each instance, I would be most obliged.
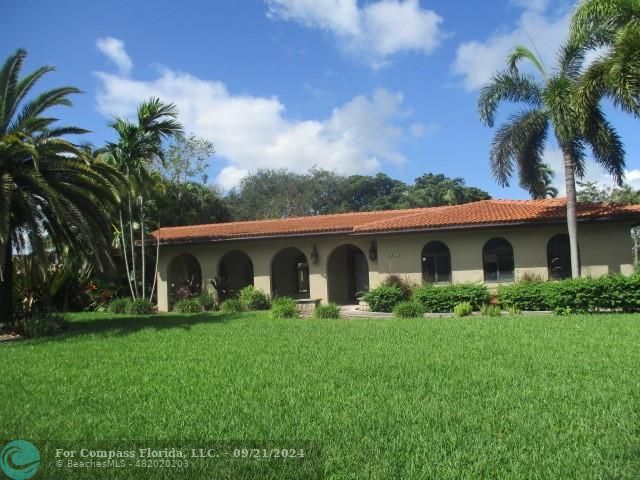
(123, 244)
(144, 272)
(134, 273)
(572, 220)
(6, 284)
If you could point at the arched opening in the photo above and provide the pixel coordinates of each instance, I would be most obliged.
(184, 277)
(559, 257)
(235, 272)
(436, 263)
(290, 274)
(497, 260)
(347, 274)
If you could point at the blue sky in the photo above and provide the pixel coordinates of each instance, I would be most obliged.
(356, 87)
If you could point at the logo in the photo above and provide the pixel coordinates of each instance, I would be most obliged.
(19, 460)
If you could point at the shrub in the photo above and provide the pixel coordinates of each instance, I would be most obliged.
(139, 306)
(329, 310)
(188, 305)
(445, 298)
(490, 310)
(404, 284)
(408, 309)
(119, 305)
(284, 307)
(207, 301)
(610, 293)
(41, 324)
(383, 298)
(232, 305)
(253, 299)
(462, 309)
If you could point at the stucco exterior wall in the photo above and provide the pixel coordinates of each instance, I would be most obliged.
(604, 248)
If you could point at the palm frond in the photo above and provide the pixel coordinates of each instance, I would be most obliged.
(507, 86)
(605, 144)
(523, 53)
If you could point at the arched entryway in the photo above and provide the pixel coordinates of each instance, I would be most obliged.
(235, 272)
(347, 274)
(290, 274)
(498, 262)
(559, 257)
(184, 277)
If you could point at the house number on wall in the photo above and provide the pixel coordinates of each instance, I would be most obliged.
(393, 254)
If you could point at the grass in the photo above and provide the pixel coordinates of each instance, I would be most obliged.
(449, 398)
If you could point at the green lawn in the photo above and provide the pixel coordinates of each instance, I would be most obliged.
(518, 397)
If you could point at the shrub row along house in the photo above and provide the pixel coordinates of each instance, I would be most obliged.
(335, 257)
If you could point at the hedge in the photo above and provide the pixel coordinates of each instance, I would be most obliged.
(443, 299)
(384, 298)
(610, 293)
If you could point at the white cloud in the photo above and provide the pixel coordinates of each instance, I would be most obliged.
(254, 132)
(374, 32)
(421, 130)
(114, 49)
(476, 61)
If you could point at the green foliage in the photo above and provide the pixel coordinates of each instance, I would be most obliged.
(609, 293)
(463, 309)
(327, 310)
(404, 284)
(41, 324)
(490, 310)
(207, 301)
(51, 196)
(284, 307)
(281, 193)
(444, 298)
(232, 305)
(188, 305)
(383, 298)
(253, 299)
(140, 306)
(408, 309)
(119, 305)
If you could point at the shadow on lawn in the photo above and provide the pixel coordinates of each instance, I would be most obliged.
(127, 324)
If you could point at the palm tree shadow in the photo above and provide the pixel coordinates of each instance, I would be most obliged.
(122, 325)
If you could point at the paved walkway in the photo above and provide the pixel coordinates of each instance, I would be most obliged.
(351, 311)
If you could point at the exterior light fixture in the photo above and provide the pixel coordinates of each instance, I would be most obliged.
(314, 255)
(373, 251)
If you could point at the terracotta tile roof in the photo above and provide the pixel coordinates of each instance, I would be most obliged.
(477, 214)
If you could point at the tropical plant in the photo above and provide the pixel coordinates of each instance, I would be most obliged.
(253, 298)
(613, 27)
(139, 143)
(51, 196)
(232, 305)
(463, 309)
(284, 307)
(327, 310)
(550, 103)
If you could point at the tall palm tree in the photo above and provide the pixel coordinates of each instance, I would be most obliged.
(549, 101)
(137, 145)
(543, 186)
(51, 197)
(614, 27)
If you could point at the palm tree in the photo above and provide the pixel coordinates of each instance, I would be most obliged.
(138, 144)
(543, 185)
(51, 197)
(549, 100)
(614, 27)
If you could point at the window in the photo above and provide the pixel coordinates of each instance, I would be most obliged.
(497, 259)
(436, 263)
(301, 274)
(559, 257)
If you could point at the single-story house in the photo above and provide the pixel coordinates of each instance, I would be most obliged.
(334, 257)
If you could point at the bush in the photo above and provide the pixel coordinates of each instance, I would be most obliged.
(462, 309)
(383, 298)
(232, 305)
(139, 306)
(580, 295)
(188, 305)
(207, 301)
(253, 299)
(404, 284)
(489, 310)
(41, 324)
(284, 307)
(444, 298)
(119, 305)
(408, 309)
(329, 310)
